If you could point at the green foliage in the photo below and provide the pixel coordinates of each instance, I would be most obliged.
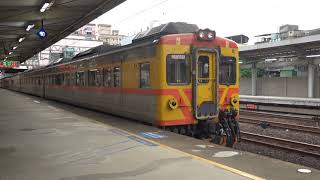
(260, 72)
(245, 73)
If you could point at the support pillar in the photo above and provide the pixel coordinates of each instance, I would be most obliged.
(311, 76)
(254, 80)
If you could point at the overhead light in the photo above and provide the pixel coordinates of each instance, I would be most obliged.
(269, 60)
(240, 62)
(30, 26)
(10, 53)
(15, 47)
(21, 39)
(316, 55)
(46, 6)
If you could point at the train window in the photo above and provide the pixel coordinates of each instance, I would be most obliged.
(108, 77)
(66, 79)
(72, 80)
(203, 69)
(80, 81)
(62, 79)
(116, 77)
(144, 75)
(227, 70)
(58, 79)
(178, 69)
(95, 78)
(51, 77)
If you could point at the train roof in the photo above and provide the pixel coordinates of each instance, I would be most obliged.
(96, 50)
(166, 29)
(165, 33)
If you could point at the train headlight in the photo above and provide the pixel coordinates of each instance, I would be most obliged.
(201, 35)
(205, 35)
(173, 104)
(210, 35)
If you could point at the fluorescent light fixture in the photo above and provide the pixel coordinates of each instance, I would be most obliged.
(311, 56)
(10, 53)
(46, 6)
(21, 39)
(269, 60)
(30, 26)
(240, 62)
(15, 47)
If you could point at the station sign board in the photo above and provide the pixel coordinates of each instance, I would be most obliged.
(251, 107)
(9, 64)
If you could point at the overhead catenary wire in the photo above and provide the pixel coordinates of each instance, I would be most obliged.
(142, 11)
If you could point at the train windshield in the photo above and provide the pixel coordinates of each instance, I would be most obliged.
(178, 69)
(227, 70)
(203, 69)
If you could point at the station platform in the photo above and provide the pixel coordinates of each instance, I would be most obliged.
(292, 101)
(291, 105)
(43, 139)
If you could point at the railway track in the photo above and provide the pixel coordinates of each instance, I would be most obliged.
(273, 123)
(293, 117)
(295, 146)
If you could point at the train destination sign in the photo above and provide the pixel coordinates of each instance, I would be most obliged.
(9, 64)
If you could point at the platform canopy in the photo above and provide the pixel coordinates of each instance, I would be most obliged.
(21, 20)
(301, 48)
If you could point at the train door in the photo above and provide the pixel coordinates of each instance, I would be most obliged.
(205, 83)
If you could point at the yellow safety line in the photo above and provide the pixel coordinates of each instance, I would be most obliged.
(233, 170)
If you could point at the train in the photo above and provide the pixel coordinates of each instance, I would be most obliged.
(174, 76)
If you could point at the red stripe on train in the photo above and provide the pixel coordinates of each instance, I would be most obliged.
(190, 39)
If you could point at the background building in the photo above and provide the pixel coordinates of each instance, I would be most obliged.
(88, 36)
(286, 63)
(100, 32)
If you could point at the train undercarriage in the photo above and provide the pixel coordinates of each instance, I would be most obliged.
(224, 131)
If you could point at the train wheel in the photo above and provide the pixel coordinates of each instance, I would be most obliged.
(169, 128)
(183, 130)
(176, 130)
(189, 130)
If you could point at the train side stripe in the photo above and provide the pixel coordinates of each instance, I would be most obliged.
(223, 95)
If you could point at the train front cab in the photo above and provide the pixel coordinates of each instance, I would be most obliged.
(191, 98)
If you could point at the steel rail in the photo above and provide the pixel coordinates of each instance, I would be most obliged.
(300, 147)
(296, 127)
(279, 115)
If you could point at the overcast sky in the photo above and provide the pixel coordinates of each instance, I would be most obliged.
(228, 17)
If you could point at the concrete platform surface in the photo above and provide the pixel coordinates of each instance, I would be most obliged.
(42, 139)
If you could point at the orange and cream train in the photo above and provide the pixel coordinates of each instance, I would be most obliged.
(174, 76)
